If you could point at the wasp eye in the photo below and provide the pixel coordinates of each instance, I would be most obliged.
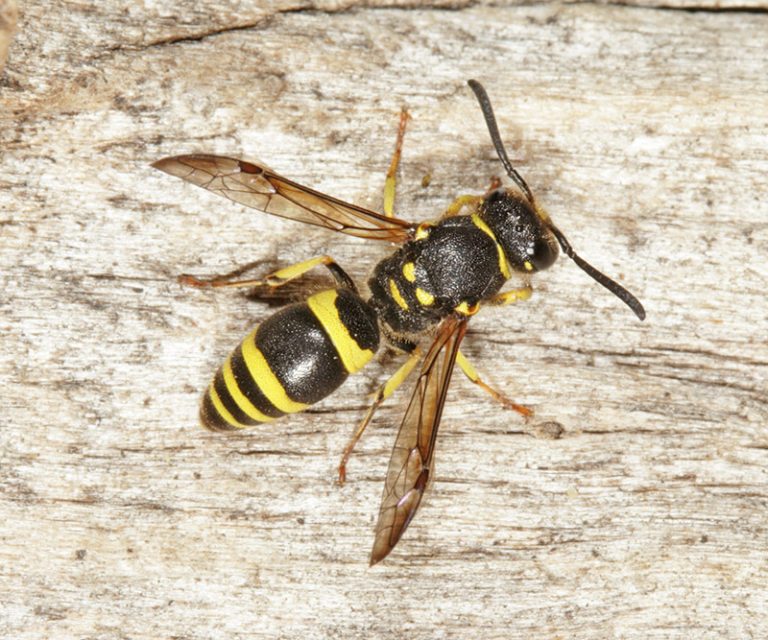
(543, 253)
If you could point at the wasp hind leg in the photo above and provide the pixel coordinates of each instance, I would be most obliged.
(274, 279)
(382, 393)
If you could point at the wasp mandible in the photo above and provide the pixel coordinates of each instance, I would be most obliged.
(439, 276)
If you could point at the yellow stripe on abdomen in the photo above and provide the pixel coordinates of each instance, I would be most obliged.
(323, 306)
(221, 410)
(265, 379)
(242, 402)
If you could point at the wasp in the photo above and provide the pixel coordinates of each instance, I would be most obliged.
(439, 276)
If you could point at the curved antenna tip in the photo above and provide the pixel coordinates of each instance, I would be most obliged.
(614, 287)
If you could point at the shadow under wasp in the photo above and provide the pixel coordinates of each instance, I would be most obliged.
(438, 277)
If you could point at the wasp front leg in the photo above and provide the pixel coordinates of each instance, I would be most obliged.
(391, 181)
(470, 201)
(456, 207)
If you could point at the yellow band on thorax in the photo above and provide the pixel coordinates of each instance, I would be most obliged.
(503, 265)
(425, 298)
(396, 295)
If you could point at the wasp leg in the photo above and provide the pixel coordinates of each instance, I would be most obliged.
(194, 281)
(508, 297)
(382, 393)
(513, 295)
(495, 183)
(389, 184)
(275, 279)
(471, 201)
(472, 374)
(459, 203)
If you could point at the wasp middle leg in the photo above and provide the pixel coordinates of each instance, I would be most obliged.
(511, 296)
(474, 377)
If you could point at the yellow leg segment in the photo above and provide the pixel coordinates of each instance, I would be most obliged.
(275, 279)
(472, 374)
(390, 183)
(382, 393)
(513, 295)
(459, 203)
(281, 276)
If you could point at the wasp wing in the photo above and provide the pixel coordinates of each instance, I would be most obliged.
(411, 464)
(260, 188)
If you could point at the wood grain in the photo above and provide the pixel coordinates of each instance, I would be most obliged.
(632, 506)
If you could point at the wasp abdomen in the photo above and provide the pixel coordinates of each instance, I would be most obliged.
(293, 359)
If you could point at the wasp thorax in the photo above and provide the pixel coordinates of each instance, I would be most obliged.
(527, 240)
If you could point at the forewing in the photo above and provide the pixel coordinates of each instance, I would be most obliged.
(256, 186)
(411, 464)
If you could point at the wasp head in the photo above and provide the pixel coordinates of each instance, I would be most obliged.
(523, 233)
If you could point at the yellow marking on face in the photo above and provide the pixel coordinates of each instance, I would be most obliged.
(265, 378)
(424, 297)
(409, 271)
(222, 410)
(528, 266)
(397, 296)
(422, 231)
(323, 306)
(241, 401)
(466, 309)
(503, 265)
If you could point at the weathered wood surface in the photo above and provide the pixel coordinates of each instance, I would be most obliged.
(642, 130)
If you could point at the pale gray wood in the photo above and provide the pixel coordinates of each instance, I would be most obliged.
(9, 15)
(644, 133)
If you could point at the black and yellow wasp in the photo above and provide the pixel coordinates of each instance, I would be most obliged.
(438, 277)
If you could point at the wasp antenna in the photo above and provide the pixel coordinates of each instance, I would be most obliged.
(493, 129)
(614, 287)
